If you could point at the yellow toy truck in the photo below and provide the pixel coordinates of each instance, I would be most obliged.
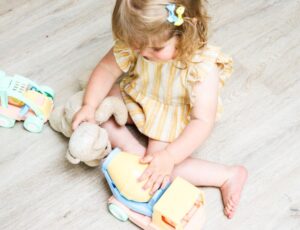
(179, 206)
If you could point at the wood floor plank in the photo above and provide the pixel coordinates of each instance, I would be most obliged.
(58, 42)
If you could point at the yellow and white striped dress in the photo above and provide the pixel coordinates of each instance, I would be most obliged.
(158, 95)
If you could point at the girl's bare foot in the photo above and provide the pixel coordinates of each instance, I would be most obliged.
(232, 188)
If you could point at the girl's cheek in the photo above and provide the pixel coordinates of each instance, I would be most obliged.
(165, 55)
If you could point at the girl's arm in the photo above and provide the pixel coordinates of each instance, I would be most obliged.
(103, 77)
(203, 117)
(101, 80)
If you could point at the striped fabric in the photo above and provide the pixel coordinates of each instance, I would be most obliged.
(158, 95)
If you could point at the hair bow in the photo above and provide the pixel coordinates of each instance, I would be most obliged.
(172, 18)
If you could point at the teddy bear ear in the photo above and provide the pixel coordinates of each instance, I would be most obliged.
(102, 139)
(71, 158)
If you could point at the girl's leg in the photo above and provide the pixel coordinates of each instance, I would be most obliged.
(230, 179)
(120, 136)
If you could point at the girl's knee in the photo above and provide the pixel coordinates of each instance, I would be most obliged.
(109, 124)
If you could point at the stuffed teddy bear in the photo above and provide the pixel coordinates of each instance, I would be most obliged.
(89, 143)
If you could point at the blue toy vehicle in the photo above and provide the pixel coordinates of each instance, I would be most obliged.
(23, 99)
(144, 207)
(178, 206)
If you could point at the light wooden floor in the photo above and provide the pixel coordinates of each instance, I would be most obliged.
(56, 42)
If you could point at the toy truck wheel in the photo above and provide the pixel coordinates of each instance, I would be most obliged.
(118, 212)
(33, 124)
(48, 91)
(6, 121)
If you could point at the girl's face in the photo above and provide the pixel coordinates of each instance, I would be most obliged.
(164, 52)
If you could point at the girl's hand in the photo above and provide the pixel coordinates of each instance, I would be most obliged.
(158, 173)
(86, 113)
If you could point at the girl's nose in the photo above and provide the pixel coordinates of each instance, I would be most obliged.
(144, 53)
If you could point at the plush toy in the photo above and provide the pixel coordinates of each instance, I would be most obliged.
(89, 143)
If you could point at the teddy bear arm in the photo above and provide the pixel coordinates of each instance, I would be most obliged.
(112, 106)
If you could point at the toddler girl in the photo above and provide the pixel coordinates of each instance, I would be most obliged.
(171, 89)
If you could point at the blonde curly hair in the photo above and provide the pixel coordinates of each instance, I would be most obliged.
(143, 23)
